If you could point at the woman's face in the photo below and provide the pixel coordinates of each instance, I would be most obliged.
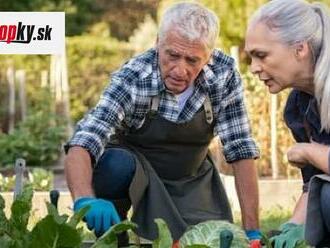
(275, 63)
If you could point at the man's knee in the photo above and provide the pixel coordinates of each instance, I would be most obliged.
(113, 173)
(117, 160)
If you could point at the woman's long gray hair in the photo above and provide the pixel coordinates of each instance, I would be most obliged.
(298, 21)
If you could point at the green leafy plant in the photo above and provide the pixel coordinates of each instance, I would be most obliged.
(213, 234)
(164, 235)
(59, 231)
(54, 230)
(13, 231)
(7, 183)
(38, 140)
(39, 179)
(109, 239)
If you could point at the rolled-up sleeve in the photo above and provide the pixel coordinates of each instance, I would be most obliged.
(93, 131)
(232, 123)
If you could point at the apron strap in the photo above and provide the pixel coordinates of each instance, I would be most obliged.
(154, 104)
(208, 110)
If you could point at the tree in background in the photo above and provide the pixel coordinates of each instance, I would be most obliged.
(122, 17)
(144, 37)
(79, 14)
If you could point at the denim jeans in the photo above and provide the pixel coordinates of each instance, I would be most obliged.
(325, 204)
(113, 174)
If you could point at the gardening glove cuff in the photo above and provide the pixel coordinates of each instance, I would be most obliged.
(287, 226)
(254, 234)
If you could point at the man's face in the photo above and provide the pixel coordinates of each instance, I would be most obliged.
(180, 60)
(273, 61)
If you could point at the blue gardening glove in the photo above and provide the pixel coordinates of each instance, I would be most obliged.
(101, 215)
(290, 235)
(254, 237)
(253, 234)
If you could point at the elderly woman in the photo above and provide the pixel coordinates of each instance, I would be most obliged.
(288, 42)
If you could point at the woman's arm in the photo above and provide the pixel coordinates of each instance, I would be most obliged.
(310, 153)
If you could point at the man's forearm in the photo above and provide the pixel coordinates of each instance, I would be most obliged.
(246, 182)
(78, 171)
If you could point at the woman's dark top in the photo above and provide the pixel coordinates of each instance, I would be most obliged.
(302, 117)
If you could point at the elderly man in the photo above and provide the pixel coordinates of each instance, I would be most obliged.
(146, 141)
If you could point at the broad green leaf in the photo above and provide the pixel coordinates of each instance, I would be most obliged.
(60, 219)
(2, 203)
(109, 239)
(208, 233)
(302, 244)
(78, 216)
(265, 240)
(20, 210)
(4, 223)
(49, 233)
(164, 235)
(26, 195)
(197, 246)
(6, 241)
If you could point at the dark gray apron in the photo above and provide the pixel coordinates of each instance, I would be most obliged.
(175, 178)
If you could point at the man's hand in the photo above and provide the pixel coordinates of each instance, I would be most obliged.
(101, 215)
(290, 235)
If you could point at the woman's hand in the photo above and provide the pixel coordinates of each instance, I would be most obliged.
(297, 154)
(312, 153)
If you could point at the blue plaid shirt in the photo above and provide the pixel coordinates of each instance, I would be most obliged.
(126, 101)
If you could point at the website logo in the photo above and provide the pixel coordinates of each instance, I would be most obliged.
(32, 32)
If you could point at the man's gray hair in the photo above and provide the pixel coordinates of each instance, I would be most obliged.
(297, 21)
(191, 20)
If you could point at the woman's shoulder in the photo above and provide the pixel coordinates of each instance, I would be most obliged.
(297, 102)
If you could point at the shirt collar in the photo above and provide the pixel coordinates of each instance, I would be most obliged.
(207, 76)
(156, 80)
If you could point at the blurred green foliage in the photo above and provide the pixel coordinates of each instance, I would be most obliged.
(90, 61)
(258, 103)
(121, 17)
(39, 178)
(270, 219)
(38, 140)
(79, 14)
